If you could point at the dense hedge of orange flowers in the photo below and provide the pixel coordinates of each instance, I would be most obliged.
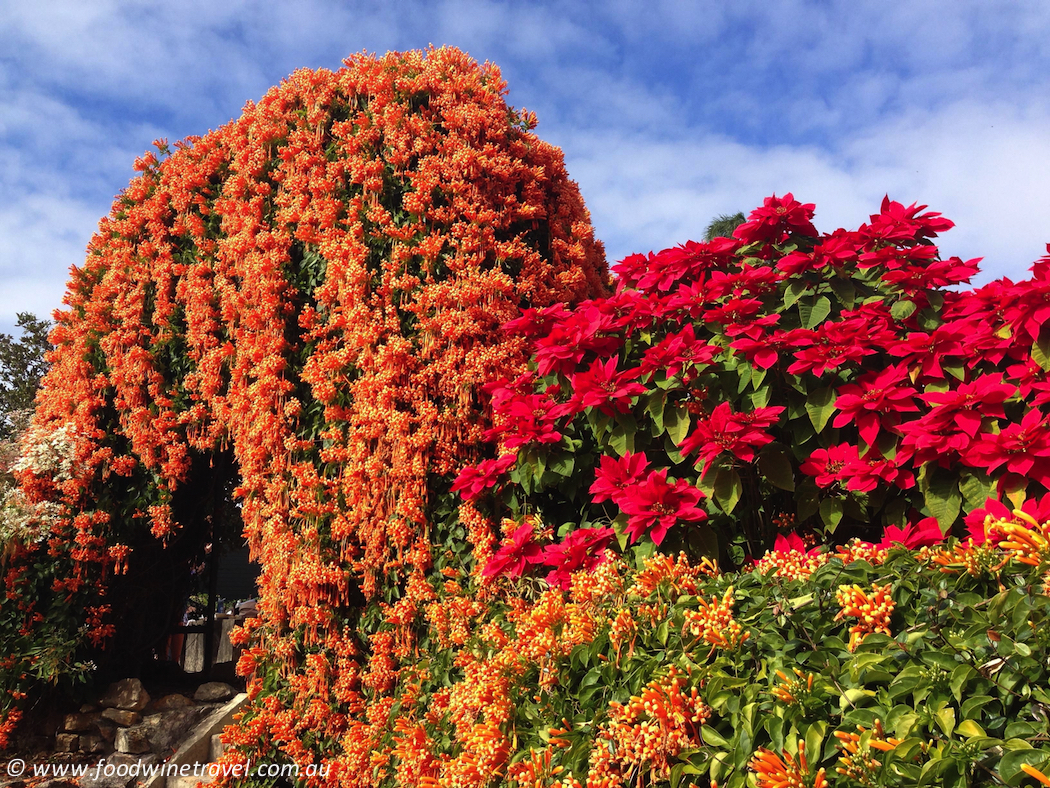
(319, 286)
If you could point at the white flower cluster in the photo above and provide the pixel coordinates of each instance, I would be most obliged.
(45, 453)
(22, 521)
(48, 453)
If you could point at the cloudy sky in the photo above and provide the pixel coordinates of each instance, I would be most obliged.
(669, 111)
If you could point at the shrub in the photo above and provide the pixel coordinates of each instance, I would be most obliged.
(776, 380)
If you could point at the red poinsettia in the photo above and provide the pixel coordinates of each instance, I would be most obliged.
(1023, 449)
(656, 504)
(581, 550)
(894, 222)
(865, 473)
(526, 418)
(516, 553)
(473, 480)
(833, 252)
(950, 428)
(676, 351)
(875, 401)
(913, 535)
(928, 350)
(602, 386)
(615, 475)
(727, 431)
(777, 219)
(585, 330)
(832, 464)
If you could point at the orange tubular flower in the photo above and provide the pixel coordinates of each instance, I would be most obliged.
(304, 304)
(1026, 541)
(873, 612)
(792, 691)
(714, 622)
(775, 771)
(1031, 771)
(856, 760)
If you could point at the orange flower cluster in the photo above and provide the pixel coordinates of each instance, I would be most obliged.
(974, 559)
(872, 611)
(681, 576)
(645, 733)
(856, 550)
(793, 691)
(536, 771)
(319, 287)
(714, 622)
(791, 565)
(856, 760)
(775, 771)
(1024, 538)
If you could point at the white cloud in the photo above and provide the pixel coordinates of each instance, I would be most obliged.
(980, 166)
(669, 112)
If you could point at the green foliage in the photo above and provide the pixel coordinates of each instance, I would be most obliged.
(22, 365)
(955, 695)
(722, 226)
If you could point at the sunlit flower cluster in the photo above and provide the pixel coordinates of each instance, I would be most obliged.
(713, 622)
(872, 611)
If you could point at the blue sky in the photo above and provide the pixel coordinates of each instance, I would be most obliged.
(668, 112)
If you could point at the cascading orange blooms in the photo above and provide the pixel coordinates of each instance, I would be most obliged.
(318, 285)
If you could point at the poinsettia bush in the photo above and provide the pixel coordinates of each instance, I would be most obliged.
(782, 378)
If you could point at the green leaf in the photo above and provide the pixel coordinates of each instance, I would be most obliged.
(807, 500)
(974, 703)
(1010, 764)
(676, 422)
(844, 289)
(621, 439)
(712, 737)
(976, 488)
(655, 408)
(728, 489)
(902, 310)
(1041, 349)
(946, 720)
(1014, 487)
(932, 769)
(959, 678)
(943, 498)
(831, 513)
(794, 292)
(760, 396)
(969, 729)
(813, 311)
(563, 465)
(820, 405)
(814, 738)
(775, 465)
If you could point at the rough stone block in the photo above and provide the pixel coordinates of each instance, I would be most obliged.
(132, 740)
(74, 723)
(122, 717)
(170, 703)
(90, 744)
(125, 694)
(214, 691)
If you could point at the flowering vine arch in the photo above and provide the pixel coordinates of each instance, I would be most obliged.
(310, 295)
